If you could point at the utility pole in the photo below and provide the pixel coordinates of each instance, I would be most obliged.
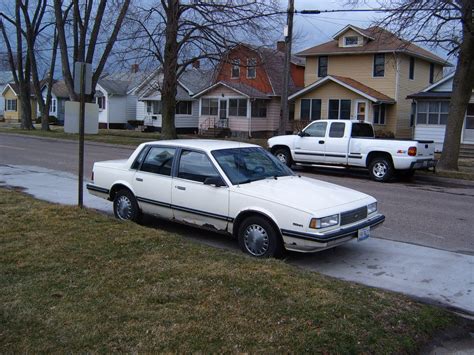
(286, 68)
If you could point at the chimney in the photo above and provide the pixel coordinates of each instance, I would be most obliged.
(196, 64)
(134, 68)
(281, 45)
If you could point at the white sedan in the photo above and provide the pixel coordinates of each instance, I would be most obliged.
(235, 188)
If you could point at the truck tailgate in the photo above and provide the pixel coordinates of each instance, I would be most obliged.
(425, 149)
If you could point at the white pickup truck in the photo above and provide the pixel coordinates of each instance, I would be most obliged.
(353, 144)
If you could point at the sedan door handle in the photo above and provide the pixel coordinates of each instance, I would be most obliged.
(139, 179)
(321, 142)
(180, 188)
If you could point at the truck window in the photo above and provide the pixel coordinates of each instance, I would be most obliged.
(337, 130)
(362, 130)
(317, 129)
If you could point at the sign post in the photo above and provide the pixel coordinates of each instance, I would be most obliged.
(83, 87)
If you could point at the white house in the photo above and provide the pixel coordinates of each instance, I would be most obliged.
(187, 108)
(431, 107)
(116, 95)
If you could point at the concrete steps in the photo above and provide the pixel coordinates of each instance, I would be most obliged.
(466, 151)
(215, 132)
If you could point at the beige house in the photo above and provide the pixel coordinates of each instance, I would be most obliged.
(12, 111)
(365, 74)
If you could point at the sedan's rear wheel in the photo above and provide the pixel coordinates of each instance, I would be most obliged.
(258, 238)
(126, 206)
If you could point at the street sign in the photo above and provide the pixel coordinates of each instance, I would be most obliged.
(86, 70)
(71, 118)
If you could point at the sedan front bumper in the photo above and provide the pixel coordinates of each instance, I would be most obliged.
(312, 242)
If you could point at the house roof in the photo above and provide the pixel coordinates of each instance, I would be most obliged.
(133, 79)
(431, 95)
(114, 87)
(60, 89)
(6, 76)
(359, 30)
(384, 42)
(239, 88)
(14, 87)
(350, 84)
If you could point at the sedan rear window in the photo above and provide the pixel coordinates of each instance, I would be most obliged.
(159, 161)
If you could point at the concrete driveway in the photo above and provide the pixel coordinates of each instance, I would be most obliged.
(434, 275)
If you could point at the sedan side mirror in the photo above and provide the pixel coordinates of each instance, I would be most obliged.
(215, 181)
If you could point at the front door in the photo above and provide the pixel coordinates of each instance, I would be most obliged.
(361, 110)
(192, 201)
(223, 109)
(468, 136)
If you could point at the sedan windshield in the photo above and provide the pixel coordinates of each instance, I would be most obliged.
(244, 165)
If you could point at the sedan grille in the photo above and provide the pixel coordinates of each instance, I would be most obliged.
(353, 216)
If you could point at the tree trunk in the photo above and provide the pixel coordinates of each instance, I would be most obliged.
(170, 67)
(462, 91)
(25, 104)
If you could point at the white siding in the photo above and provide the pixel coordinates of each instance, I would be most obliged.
(117, 109)
(431, 132)
(132, 101)
(446, 86)
(140, 110)
(181, 121)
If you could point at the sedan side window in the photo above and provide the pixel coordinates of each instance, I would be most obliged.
(195, 166)
(317, 129)
(159, 160)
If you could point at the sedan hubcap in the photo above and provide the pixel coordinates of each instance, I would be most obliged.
(380, 170)
(256, 240)
(124, 208)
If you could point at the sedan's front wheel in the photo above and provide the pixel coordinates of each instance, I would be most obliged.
(258, 238)
(126, 206)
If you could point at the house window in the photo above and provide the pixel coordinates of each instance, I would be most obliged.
(235, 72)
(411, 72)
(470, 116)
(251, 68)
(379, 65)
(310, 109)
(351, 40)
(379, 114)
(101, 102)
(153, 107)
(52, 109)
(10, 105)
(259, 108)
(238, 107)
(431, 73)
(432, 112)
(339, 109)
(209, 107)
(184, 108)
(322, 66)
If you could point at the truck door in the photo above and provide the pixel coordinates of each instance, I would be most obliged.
(310, 146)
(337, 143)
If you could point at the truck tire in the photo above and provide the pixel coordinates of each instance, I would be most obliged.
(284, 155)
(381, 169)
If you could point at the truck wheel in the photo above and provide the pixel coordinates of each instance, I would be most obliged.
(381, 169)
(258, 238)
(126, 206)
(284, 155)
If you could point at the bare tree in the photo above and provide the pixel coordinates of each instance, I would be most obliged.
(446, 24)
(29, 25)
(86, 26)
(178, 33)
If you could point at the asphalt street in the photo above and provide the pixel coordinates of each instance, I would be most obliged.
(433, 220)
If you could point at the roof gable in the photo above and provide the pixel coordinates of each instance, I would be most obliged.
(360, 31)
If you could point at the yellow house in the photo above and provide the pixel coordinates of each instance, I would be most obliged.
(365, 74)
(12, 104)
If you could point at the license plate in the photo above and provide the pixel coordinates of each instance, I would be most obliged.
(363, 233)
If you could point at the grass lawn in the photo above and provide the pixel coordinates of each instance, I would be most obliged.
(75, 280)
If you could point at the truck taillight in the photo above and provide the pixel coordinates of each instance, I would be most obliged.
(412, 151)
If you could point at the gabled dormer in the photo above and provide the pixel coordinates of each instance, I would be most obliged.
(352, 36)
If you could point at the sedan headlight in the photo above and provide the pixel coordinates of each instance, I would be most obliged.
(372, 208)
(318, 223)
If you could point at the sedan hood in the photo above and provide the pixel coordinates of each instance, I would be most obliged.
(305, 194)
